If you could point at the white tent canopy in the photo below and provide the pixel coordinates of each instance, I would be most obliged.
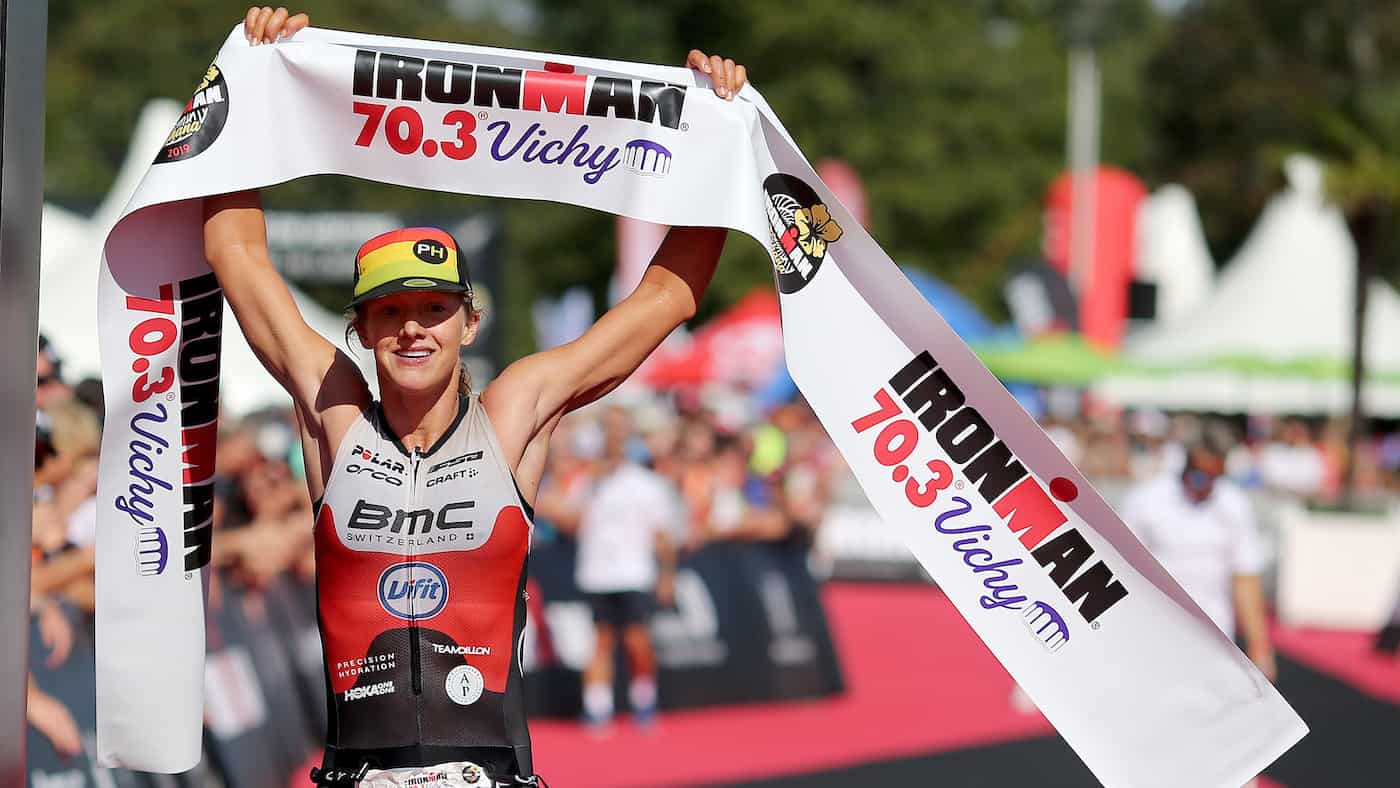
(1286, 299)
(1172, 251)
(69, 260)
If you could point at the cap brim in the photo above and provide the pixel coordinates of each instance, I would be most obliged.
(399, 286)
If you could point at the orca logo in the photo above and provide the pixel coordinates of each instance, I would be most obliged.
(413, 590)
(374, 473)
(430, 251)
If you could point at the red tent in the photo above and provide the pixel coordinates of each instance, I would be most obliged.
(741, 347)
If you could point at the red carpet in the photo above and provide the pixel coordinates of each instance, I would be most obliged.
(919, 682)
(1345, 656)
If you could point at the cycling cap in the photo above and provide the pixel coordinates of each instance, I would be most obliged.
(415, 258)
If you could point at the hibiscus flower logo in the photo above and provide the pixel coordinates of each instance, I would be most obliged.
(816, 229)
(801, 228)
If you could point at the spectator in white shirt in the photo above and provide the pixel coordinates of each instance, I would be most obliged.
(626, 563)
(1202, 529)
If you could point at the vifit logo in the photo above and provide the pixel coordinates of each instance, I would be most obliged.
(413, 590)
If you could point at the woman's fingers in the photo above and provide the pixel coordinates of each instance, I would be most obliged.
(261, 16)
(250, 21)
(274, 25)
(294, 24)
(717, 75)
(265, 24)
(727, 77)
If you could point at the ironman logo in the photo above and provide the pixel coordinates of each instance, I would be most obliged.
(413, 590)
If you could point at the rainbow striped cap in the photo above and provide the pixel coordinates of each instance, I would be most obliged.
(415, 258)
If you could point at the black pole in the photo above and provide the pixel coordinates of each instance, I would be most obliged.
(1367, 229)
(23, 26)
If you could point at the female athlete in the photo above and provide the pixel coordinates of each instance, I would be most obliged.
(423, 498)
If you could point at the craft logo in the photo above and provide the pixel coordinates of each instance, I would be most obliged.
(1001, 479)
(645, 157)
(800, 228)
(458, 473)
(464, 685)
(199, 125)
(413, 590)
(151, 431)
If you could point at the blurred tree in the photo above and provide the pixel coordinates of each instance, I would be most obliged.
(1238, 83)
(1244, 80)
(953, 113)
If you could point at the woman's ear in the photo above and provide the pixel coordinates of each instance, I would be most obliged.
(469, 328)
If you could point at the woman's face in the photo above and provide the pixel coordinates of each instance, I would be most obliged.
(415, 337)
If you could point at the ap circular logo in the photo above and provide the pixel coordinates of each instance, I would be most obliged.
(413, 590)
(464, 685)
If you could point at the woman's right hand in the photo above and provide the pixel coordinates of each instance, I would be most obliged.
(264, 24)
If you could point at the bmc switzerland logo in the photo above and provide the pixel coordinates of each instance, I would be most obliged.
(413, 590)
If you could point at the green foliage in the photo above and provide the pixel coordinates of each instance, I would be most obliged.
(1240, 82)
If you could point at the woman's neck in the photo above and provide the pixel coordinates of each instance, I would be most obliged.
(420, 418)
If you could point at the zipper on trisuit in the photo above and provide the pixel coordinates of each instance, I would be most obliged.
(414, 658)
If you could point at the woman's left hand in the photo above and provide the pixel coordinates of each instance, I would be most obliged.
(727, 76)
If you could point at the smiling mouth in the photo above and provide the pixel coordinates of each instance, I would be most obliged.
(417, 354)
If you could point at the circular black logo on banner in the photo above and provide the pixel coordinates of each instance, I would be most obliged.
(199, 125)
(800, 229)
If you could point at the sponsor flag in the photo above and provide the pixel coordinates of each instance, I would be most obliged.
(1138, 680)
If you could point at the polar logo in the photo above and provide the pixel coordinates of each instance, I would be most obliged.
(152, 551)
(645, 157)
(413, 590)
(1047, 625)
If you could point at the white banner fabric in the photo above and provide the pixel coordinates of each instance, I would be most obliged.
(1127, 668)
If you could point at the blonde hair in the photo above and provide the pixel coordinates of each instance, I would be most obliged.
(475, 308)
(75, 428)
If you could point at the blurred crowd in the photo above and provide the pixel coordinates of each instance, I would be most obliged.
(731, 473)
(1300, 459)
